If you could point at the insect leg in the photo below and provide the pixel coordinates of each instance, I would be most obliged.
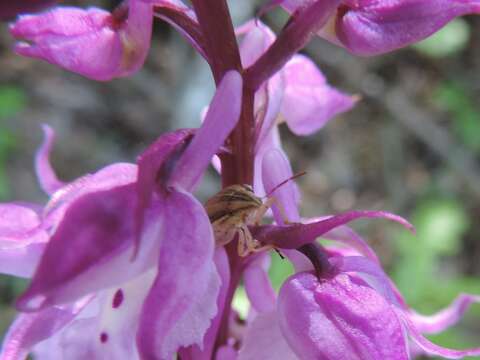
(267, 205)
(252, 244)
(242, 246)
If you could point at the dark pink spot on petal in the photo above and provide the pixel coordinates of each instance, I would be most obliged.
(103, 337)
(117, 299)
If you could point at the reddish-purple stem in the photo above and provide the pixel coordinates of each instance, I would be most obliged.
(237, 166)
(235, 277)
(222, 50)
(304, 23)
(219, 34)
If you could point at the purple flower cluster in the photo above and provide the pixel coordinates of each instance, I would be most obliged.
(126, 263)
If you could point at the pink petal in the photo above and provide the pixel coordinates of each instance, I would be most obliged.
(154, 169)
(185, 291)
(445, 318)
(292, 5)
(275, 170)
(374, 27)
(265, 341)
(257, 38)
(431, 348)
(367, 27)
(221, 118)
(74, 341)
(347, 236)
(22, 241)
(109, 177)
(339, 318)
(46, 175)
(22, 259)
(292, 236)
(271, 140)
(90, 42)
(226, 352)
(196, 352)
(309, 102)
(88, 248)
(257, 284)
(268, 102)
(17, 221)
(30, 329)
(371, 271)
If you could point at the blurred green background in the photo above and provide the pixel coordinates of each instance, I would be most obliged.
(411, 146)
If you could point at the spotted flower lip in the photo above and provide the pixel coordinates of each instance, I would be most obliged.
(366, 27)
(92, 42)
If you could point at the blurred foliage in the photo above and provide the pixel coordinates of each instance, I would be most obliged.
(454, 98)
(12, 101)
(421, 273)
(448, 41)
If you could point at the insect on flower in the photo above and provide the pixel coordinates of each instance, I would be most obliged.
(234, 208)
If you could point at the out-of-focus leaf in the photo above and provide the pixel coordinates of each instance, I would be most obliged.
(12, 101)
(419, 272)
(466, 117)
(440, 224)
(449, 40)
(7, 144)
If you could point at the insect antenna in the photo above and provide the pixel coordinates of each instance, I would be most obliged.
(293, 177)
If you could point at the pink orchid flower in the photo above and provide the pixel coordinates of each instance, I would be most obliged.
(92, 42)
(344, 306)
(372, 27)
(98, 279)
